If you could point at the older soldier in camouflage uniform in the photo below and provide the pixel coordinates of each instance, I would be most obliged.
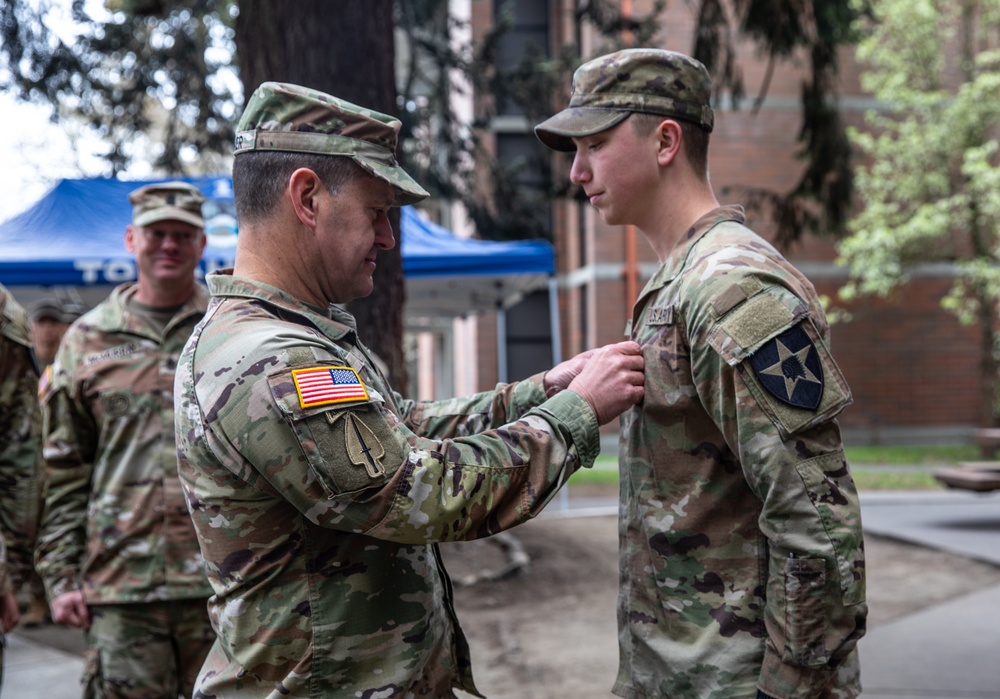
(317, 491)
(117, 550)
(19, 447)
(742, 566)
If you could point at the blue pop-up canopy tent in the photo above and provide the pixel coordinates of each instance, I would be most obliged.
(448, 275)
(74, 236)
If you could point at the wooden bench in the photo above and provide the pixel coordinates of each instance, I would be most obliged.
(988, 441)
(982, 476)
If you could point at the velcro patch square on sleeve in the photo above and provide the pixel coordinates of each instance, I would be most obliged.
(324, 385)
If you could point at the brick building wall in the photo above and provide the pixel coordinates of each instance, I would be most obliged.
(913, 368)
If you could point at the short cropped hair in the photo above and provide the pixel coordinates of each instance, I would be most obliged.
(694, 137)
(260, 178)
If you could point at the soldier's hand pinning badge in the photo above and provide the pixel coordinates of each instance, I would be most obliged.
(788, 367)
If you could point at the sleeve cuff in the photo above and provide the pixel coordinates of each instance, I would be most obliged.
(59, 586)
(572, 410)
(528, 393)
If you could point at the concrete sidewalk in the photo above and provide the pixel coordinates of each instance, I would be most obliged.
(32, 669)
(948, 651)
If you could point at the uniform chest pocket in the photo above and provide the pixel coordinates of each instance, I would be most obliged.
(667, 358)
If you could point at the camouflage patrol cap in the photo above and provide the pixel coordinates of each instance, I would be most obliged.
(163, 201)
(609, 88)
(285, 117)
(47, 308)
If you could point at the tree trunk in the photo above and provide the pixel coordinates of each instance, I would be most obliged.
(345, 49)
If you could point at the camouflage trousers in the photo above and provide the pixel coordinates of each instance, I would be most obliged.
(150, 650)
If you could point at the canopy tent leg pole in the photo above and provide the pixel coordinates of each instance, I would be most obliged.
(554, 321)
(501, 344)
(554, 329)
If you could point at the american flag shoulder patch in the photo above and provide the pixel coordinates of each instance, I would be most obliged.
(323, 385)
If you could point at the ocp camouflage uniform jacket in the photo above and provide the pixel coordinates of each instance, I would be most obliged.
(318, 522)
(741, 547)
(115, 521)
(19, 444)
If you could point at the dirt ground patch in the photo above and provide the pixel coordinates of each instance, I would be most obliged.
(550, 632)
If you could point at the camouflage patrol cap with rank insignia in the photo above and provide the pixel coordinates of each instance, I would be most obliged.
(167, 201)
(291, 118)
(609, 88)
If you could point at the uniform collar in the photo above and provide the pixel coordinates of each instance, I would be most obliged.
(677, 258)
(336, 323)
(118, 317)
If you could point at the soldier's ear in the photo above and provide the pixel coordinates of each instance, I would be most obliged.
(130, 233)
(304, 186)
(668, 141)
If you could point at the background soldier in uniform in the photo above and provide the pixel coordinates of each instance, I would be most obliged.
(116, 548)
(741, 551)
(19, 447)
(49, 320)
(317, 491)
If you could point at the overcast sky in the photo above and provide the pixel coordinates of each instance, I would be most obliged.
(35, 153)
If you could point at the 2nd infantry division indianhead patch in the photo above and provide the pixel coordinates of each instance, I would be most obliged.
(788, 367)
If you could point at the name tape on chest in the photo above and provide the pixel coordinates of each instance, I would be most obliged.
(661, 315)
(326, 385)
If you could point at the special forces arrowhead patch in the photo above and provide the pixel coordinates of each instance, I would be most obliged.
(361, 443)
(788, 367)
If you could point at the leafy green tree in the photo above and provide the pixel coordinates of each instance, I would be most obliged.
(930, 186)
(145, 72)
(151, 73)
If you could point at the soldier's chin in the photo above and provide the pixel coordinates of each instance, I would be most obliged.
(609, 218)
(365, 289)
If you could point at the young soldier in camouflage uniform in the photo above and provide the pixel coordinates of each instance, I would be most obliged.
(19, 448)
(117, 550)
(317, 491)
(742, 567)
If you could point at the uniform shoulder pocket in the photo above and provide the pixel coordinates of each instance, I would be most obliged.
(766, 332)
(794, 379)
(350, 440)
